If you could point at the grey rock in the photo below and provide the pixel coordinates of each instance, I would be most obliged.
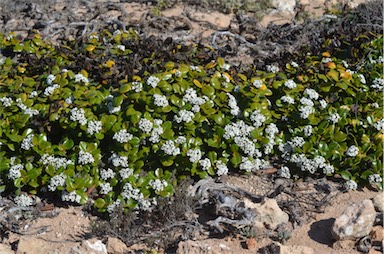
(378, 202)
(355, 222)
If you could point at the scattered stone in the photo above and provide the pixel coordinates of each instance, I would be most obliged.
(251, 243)
(378, 202)
(116, 246)
(356, 221)
(94, 246)
(377, 233)
(294, 249)
(343, 245)
(268, 213)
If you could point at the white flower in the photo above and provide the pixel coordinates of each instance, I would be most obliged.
(85, 158)
(222, 169)
(252, 165)
(7, 102)
(69, 100)
(180, 140)
(23, 200)
(246, 145)
(2, 60)
(226, 67)
(145, 125)
(257, 83)
(235, 110)
(130, 192)
(153, 81)
(239, 129)
(378, 83)
(205, 163)
(306, 102)
(137, 86)
(305, 111)
(105, 188)
(323, 104)
(121, 47)
(297, 142)
(178, 73)
(112, 207)
(158, 185)
(308, 130)
(160, 100)
(362, 78)
(31, 112)
(33, 94)
(57, 181)
(334, 118)
(352, 151)
(50, 89)
(50, 79)
(106, 174)
(257, 118)
(26, 144)
(375, 179)
(156, 132)
(71, 197)
(169, 148)
(125, 173)
(345, 63)
(118, 161)
(14, 171)
(284, 172)
(287, 99)
(93, 36)
(379, 125)
(54, 161)
(78, 115)
(195, 68)
(271, 130)
(294, 64)
(350, 71)
(184, 116)
(94, 127)
(290, 84)
(351, 185)
(122, 136)
(326, 60)
(311, 93)
(81, 78)
(328, 169)
(194, 155)
(272, 68)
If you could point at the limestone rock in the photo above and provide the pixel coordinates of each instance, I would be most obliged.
(93, 246)
(116, 246)
(294, 249)
(268, 213)
(356, 221)
(378, 202)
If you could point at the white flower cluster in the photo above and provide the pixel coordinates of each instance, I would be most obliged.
(156, 131)
(238, 129)
(122, 136)
(169, 148)
(70, 197)
(7, 102)
(323, 104)
(288, 99)
(26, 144)
(334, 118)
(362, 78)
(311, 93)
(57, 181)
(222, 169)
(160, 100)
(257, 118)
(2, 60)
(118, 161)
(50, 89)
(158, 185)
(350, 185)
(352, 151)
(205, 163)
(14, 171)
(137, 86)
(180, 140)
(131, 193)
(379, 125)
(153, 81)
(105, 188)
(69, 100)
(81, 78)
(85, 158)
(184, 116)
(375, 179)
(125, 173)
(378, 83)
(55, 161)
(326, 60)
(252, 165)
(78, 114)
(308, 130)
(112, 207)
(246, 145)
(272, 68)
(121, 47)
(111, 108)
(226, 67)
(195, 68)
(27, 111)
(232, 103)
(194, 155)
(297, 142)
(294, 64)
(23, 200)
(94, 127)
(106, 174)
(33, 94)
(290, 84)
(145, 125)
(190, 96)
(312, 165)
(271, 132)
(284, 172)
(257, 83)
(50, 79)
(307, 107)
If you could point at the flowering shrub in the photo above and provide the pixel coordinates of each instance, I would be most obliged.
(126, 143)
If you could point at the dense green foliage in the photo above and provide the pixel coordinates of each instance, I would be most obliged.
(73, 123)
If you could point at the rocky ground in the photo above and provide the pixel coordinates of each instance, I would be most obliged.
(311, 216)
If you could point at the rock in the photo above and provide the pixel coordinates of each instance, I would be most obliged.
(343, 245)
(294, 249)
(116, 246)
(192, 247)
(251, 243)
(6, 249)
(356, 221)
(378, 202)
(287, 6)
(31, 245)
(377, 234)
(268, 213)
(94, 246)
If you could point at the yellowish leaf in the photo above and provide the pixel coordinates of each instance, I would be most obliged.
(197, 83)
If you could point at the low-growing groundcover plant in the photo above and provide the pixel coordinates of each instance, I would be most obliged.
(125, 144)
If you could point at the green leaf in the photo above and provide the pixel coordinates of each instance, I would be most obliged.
(209, 91)
(236, 158)
(99, 203)
(68, 144)
(340, 136)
